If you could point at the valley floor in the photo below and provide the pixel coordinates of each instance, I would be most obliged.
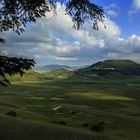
(66, 109)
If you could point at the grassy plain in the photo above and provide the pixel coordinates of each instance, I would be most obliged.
(113, 101)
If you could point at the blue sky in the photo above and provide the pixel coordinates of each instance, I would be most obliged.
(128, 23)
(52, 40)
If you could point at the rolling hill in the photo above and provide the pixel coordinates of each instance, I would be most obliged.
(59, 74)
(83, 103)
(107, 68)
(28, 76)
(36, 76)
(111, 68)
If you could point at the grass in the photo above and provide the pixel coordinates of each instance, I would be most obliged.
(21, 130)
(116, 102)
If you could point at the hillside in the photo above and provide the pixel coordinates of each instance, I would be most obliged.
(59, 105)
(107, 68)
(36, 76)
(59, 74)
(20, 129)
(28, 76)
(111, 68)
(84, 103)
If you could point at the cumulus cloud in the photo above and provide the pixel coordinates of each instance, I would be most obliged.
(136, 4)
(53, 40)
(112, 13)
(112, 10)
(135, 7)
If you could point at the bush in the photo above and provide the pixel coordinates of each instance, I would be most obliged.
(98, 127)
(73, 112)
(11, 113)
(55, 122)
(62, 122)
(85, 125)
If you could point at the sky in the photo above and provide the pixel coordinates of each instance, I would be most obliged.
(52, 40)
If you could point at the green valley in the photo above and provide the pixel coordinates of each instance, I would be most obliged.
(65, 105)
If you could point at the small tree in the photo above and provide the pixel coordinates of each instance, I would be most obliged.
(15, 14)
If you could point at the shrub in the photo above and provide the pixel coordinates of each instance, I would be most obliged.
(55, 122)
(11, 113)
(98, 127)
(73, 112)
(85, 125)
(62, 122)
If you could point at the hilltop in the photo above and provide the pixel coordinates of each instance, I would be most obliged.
(111, 68)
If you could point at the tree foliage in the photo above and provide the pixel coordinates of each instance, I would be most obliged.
(82, 11)
(15, 14)
(12, 66)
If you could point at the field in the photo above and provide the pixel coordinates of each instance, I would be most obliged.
(66, 109)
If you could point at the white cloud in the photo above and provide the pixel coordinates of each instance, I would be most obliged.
(111, 30)
(134, 8)
(53, 40)
(136, 4)
(112, 13)
(111, 10)
(64, 58)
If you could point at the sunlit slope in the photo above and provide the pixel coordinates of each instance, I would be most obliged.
(28, 76)
(59, 73)
(36, 76)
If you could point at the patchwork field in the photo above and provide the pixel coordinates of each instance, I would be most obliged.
(67, 108)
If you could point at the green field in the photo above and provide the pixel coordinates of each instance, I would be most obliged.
(116, 102)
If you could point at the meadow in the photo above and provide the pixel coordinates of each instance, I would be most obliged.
(66, 107)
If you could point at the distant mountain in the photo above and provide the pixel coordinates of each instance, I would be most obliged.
(50, 67)
(45, 68)
(111, 68)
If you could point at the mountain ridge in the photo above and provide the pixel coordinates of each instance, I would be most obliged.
(111, 67)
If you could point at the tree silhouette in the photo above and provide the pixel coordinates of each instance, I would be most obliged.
(12, 66)
(15, 14)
